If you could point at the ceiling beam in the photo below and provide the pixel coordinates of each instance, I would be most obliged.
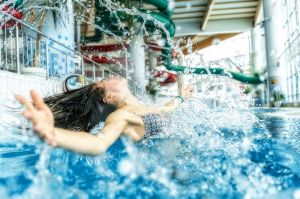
(188, 3)
(233, 11)
(187, 20)
(208, 42)
(258, 11)
(231, 5)
(232, 1)
(214, 27)
(233, 16)
(209, 8)
(189, 9)
(187, 15)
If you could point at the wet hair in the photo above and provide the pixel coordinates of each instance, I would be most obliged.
(79, 109)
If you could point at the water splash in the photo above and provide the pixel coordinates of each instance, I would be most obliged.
(204, 152)
(207, 151)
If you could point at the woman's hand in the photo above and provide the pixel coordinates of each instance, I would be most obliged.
(187, 91)
(41, 116)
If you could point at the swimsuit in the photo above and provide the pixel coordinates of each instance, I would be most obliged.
(154, 123)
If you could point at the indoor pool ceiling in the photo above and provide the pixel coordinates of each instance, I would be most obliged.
(205, 20)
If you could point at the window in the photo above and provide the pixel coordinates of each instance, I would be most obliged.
(291, 54)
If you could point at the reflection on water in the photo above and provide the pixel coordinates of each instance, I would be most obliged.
(283, 124)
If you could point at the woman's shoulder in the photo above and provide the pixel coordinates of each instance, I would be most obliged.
(143, 110)
(124, 114)
(119, 113)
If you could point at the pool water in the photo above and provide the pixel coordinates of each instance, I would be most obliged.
(221, 152)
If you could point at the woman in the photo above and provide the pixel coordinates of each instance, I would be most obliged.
(82, 109)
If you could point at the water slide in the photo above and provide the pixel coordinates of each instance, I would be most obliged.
(170, 26)
(106, 20)
(110, 48)
(164, 76)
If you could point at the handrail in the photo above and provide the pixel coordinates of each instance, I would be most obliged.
(54, 40)
(67, 48)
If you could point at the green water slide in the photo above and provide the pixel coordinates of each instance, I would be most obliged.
(162, 6)
(167, 51)
(106, 20)
(18, 3)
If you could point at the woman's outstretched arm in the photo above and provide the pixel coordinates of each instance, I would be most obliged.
(43, 125)
(185, 93)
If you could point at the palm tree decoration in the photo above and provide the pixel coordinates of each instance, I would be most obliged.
(36, 12)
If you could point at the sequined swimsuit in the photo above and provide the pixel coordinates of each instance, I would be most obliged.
(155, 123)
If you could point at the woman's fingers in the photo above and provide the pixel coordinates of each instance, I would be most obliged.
(187, 91)
(37, 100)
(30, 112)
(190, 87)
(40, 115)
(38, 128)
(25, 103)
(27, 114)
(39, 103)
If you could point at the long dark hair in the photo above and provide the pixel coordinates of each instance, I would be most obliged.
(79, 109)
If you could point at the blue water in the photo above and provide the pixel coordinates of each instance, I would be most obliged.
(205, 153)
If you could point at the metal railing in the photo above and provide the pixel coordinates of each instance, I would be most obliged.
(17, 54)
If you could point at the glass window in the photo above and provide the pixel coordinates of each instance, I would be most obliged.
(291, 54)
(291, 4)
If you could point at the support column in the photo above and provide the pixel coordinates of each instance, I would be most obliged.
(180, 75)
(253, 49)
(78, 34)
(153, 61)
(272, 47)
(137, 54)
(153, 85)
(259, 94)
